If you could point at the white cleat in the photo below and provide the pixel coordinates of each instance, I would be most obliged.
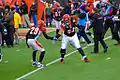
(39, 65)
(34, 63)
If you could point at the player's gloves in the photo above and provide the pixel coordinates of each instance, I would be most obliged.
(55, 38)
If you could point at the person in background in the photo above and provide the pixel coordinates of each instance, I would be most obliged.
(48, 14)
(24, 13)
(7, 6)
(17, 23)
(82, 24)
(17, 8)
(8, 18)
(33, 13)
(109, 16)
(57, 15)
(117, 27)
(67, 8)
(98, 30)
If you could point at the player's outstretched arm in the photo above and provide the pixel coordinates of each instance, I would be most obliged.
(46, 36)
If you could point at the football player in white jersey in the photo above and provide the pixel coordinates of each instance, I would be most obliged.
(69, 34)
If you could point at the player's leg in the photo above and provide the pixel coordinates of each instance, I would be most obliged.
(38, 46)
(34, 58)
(62, 52)
(65, 40)
(31, 43)
(57, 26)
(76, 43)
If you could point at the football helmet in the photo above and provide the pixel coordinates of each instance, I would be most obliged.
(41, 23)
(56, 4)
(66, 17)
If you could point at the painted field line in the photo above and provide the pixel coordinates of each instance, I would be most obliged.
(27, 74)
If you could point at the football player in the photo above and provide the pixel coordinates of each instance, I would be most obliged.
(31, 40)
(69, 34)
(57, 15)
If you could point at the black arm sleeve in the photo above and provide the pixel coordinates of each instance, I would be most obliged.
(46, 36)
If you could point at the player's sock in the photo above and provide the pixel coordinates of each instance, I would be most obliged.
(62, 52)
(81, 51)
(41, 56)
(62, 56)
(34, 55)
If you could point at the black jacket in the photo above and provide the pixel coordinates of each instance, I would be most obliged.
(97, 23)
(24, 9)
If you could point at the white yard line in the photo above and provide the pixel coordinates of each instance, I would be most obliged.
(27, 74)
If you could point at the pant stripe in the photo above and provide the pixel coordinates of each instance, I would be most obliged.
(38, 44)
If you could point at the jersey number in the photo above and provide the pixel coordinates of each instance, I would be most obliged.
(34, 31)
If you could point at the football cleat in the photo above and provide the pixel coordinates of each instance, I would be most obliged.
(62, 61)
(39, 65)
(86, 60)
(34, 63)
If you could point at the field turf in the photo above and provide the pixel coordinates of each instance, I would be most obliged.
(17, 62)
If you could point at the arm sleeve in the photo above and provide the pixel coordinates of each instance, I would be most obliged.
(37, 36)
(46, 36)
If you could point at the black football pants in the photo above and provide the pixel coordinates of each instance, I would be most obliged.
(98, 37)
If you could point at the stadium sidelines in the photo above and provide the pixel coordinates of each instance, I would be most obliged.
(27, 74)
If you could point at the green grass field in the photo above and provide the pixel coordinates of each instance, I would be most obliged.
(17, 62)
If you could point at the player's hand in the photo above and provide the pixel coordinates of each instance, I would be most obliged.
(54, 40)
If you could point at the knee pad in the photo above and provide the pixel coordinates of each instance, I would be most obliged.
(63, 51)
